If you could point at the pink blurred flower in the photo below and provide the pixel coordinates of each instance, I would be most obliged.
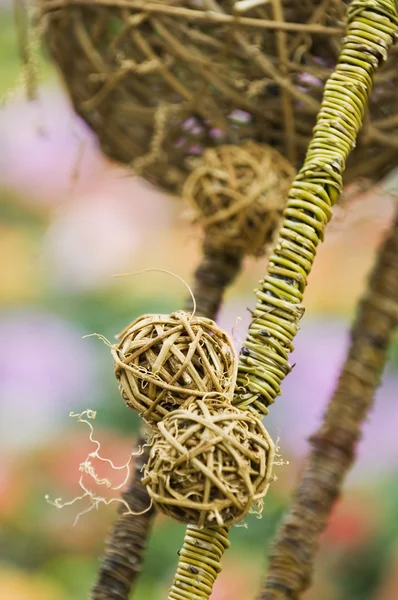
(236, 580)
(99, 233)
(46, 148)
(353, 521)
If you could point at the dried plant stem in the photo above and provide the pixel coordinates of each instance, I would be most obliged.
(333, 445)
(122, 561)
(216, 271)
(264, 358)
(201, 16)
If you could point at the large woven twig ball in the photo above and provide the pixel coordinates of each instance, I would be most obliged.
(161, 81)
(238, 194)
(162, 361)
(209, 463)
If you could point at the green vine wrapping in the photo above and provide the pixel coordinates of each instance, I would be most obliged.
(263, 362)
(264, 356)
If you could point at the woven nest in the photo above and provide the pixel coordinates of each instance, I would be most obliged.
(161, 81)
(162, 361)
(238, 194)
(209, 463)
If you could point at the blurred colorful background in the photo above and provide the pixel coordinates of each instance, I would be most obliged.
(69, 221)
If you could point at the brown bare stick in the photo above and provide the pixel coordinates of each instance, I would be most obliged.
(215, 273)
(333, 445)
(121, 563)
(126, 545)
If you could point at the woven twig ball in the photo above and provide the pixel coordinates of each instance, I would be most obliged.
(209, 463)
(161, 81)
(162, 361)
(238, 194)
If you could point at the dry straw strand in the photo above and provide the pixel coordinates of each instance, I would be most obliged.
(292, 556)
(161, 82)
(264, 357)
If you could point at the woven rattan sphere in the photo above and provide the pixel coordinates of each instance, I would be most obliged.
(161, 81)
(238, 194)
(162, 361)
(209, 463)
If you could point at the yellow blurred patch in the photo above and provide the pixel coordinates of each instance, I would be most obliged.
(18, 266)
(18, 585)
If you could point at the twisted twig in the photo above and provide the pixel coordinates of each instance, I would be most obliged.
(264, 359)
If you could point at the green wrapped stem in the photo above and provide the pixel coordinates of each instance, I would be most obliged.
(264, 358)
(199, 562)
(264, 362)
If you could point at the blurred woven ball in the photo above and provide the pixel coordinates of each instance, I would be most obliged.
(238, 194)
(209, 463)
(162, 361)
(159, 82)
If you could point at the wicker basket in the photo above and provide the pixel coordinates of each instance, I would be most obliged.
(161, 81)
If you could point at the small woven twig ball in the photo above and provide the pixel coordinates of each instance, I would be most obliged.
(162, 361)
(209, 463)
(161, 81)
(238, 194)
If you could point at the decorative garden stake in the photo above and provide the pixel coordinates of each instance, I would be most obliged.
(126, 545)
(159, 92)
(219, 266)
(264, 358)
(333, 445)
(160, 81)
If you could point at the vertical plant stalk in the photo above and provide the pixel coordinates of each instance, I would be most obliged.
(126, 545)
(263, 362)
(333, 445)
(122, 561)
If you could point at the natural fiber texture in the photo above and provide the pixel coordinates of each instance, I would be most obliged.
(200, 559)
(128, 539)
(209, 463)
(161, 81)
(122, 561)
(264, 357)
(238, 194)
(333, 445)
(263, 362)
(162, 361)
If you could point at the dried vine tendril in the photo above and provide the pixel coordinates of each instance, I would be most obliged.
(264, 359)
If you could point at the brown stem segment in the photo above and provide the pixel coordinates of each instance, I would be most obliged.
(333, 445)
(126, 545)
(216, 271)
(128, 539)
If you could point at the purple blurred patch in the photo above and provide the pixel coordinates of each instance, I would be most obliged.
(46, 370)
(45, 147)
